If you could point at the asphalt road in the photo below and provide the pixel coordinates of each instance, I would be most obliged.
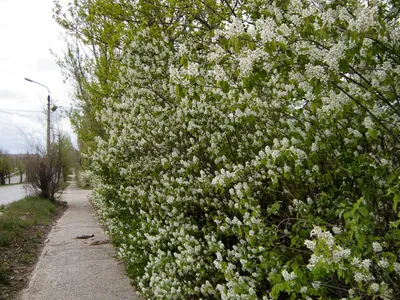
(16, 179)
(11, 193)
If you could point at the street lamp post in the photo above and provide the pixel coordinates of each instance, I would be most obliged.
(48, 113)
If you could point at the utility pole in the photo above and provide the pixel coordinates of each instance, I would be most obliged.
(48, 113)
(48, 124)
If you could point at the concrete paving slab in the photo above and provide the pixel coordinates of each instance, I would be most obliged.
(74, 269)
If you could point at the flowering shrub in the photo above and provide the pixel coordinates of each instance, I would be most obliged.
(83, 178)
(258, 159)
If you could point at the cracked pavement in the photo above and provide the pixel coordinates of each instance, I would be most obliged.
(73, 269)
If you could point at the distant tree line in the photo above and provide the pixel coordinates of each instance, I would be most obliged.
(10, 164)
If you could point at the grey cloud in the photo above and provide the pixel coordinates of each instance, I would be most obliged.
(15, 136)
(4, 93)
(46, 64)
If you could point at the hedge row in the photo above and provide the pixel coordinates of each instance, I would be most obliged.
(260, 159)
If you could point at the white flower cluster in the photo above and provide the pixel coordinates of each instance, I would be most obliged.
(337, 254)
(376, 247)
(288, 276)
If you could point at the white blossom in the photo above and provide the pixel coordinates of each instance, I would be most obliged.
(374, 287)
(337, 230)
(396, 267)
(377, 247)
(288, 276)
(383, 263)
(310, 244)
(303, 289)
(316, 284)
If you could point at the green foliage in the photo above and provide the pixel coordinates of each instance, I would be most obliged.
(5, 166)
(248, 150)
(68, 156)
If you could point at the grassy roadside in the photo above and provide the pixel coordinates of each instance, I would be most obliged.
(23, 229)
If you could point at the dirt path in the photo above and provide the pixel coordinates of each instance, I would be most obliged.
(74, 269)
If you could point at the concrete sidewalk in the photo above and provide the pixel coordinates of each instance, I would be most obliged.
(73, 269)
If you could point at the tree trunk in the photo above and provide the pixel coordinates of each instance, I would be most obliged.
(44, 183)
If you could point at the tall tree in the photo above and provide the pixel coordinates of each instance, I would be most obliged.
(5, 166)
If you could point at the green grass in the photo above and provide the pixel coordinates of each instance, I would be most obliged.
(23, 226)
(27, 258)
(16, 219)
(19, 215)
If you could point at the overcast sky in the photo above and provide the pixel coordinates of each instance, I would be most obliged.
(27, 34)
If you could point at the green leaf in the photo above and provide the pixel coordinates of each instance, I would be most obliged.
(225, 44)
(354, 35)
(323, 32)
(184, 61)
(248, 84)
(284, 4)
(282, 45)
(277, 289)
(180, 91)
(395, 224)
(339, 273)
(314, 107)
(224, 86)
(361, 238)
(344, 66)
(340, 213)
(396, 200)
(396, 234)
(317, 87)
(364, 211)
(202, 80)
(236, 44)
(389, 81)
(273, 46)
(373, 133)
